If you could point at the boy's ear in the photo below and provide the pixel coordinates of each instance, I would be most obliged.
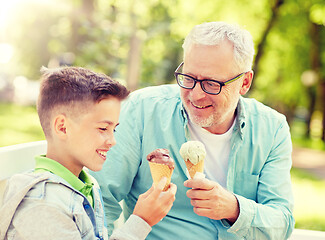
(247, 82)
(60, 126)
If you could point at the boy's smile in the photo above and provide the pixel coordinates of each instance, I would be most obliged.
(102, 153)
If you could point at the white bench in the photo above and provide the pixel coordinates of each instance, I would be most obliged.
(20, 157)
(301, 234)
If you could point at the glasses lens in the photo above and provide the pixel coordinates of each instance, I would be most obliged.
(211, 87)
(185, 81)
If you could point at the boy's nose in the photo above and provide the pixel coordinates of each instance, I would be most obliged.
(110, 140)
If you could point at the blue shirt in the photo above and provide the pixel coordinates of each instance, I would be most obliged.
(258, 174)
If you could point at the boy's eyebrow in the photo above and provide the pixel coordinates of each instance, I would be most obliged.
(108, 122)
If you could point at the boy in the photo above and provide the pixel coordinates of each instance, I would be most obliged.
(78, 111)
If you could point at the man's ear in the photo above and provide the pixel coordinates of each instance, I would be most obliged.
(60, 126)
(247, 82)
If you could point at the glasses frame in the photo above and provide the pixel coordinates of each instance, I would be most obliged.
(176, 73)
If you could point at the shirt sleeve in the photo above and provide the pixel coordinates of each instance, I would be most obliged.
(135, 228)
(270, 217)
(121, 166)
(44, 221)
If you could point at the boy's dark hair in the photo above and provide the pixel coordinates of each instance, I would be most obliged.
(72, 88)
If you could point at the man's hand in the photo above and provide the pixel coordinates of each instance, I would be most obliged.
(211, 200)
(154, 204)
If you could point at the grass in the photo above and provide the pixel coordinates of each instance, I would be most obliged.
(298, 129)
(19, 124)
(309, 194)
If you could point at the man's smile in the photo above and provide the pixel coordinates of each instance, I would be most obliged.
(201, 106)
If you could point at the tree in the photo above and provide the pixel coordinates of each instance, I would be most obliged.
(261, 46)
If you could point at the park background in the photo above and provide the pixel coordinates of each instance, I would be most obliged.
(138, 42)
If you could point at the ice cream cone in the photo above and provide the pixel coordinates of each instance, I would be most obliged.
(194, 168)
(193, 153)
(159, 171)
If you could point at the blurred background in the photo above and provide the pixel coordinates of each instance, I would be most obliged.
(139, 43)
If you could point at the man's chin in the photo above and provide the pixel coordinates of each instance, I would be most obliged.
(201, 122)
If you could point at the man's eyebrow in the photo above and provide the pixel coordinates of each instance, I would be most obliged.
(204, 78)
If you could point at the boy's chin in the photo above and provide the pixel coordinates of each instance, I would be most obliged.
(95, 168)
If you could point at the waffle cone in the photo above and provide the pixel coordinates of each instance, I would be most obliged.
(192, 169)
(160, 170)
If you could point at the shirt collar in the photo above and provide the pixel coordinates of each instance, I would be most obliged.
(241, 119)
(82, 184)
(185, 121)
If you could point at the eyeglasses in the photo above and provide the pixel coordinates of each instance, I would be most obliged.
(209, 86)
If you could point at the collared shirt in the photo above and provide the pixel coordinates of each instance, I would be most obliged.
(83, 184)
(258, 172)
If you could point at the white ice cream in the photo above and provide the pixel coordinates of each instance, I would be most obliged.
(193, 151)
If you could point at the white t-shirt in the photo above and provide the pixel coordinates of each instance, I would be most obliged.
(217, 148)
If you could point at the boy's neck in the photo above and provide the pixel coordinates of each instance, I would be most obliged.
(60, 155)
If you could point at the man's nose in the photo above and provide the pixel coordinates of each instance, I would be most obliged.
(197, 92)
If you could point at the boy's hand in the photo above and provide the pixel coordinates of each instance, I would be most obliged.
(154, 204)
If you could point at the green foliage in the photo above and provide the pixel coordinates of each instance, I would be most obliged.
(99, 37)
(317, 12)
(278, 84)
(37, 31)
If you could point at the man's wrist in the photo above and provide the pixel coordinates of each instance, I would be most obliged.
(234, 210)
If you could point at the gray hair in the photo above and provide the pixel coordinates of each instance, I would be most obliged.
(214, 33)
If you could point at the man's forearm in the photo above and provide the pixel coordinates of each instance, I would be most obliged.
(258, 221)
